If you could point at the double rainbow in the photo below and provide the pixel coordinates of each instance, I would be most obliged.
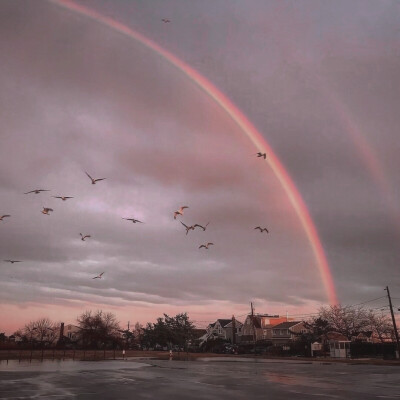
(240, 119)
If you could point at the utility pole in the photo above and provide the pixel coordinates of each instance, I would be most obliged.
(394, 323)
(254, 328)
(233, 330)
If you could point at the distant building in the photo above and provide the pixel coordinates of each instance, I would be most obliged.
(223, 329)
(260, 326)
(287, 332)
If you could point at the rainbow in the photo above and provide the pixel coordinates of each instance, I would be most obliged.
(245, 125)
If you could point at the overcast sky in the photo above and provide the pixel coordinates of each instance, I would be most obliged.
(320, 81)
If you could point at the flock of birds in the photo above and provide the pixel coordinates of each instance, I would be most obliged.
(179, 212)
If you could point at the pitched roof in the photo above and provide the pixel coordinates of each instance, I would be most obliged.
(256, 322)
(224, 322)
(286, 325)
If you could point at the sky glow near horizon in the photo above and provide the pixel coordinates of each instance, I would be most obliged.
(78, 96)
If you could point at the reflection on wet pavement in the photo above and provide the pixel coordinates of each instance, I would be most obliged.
(197, 380)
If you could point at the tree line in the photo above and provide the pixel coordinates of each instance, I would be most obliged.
(102, 330)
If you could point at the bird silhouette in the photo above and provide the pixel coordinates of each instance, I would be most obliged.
(4, 216)
(63, 198)
(46, 210)
(165, 20)
(12, 261)
(180, 211)
(98, 276)
(262, 229)
(94, 180)
(37, 191)
(206, 245)
(83, 237)
(188, 228)
(133, 220)
(201, 226)
(259, 154)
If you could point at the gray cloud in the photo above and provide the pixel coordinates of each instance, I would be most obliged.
(78, 97)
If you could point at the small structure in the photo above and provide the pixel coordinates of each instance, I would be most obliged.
(316, 348)
(339, 345)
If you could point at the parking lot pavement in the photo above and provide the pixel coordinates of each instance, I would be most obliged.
(202, 379)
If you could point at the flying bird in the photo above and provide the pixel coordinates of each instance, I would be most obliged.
(188, 228)
(206, 245)
(262, 229)
(180, 211)
(165, 20)
(133, 220)
(47, 210)
(94, 180)
(83, 237)
(259, 154)
(4, 216)
(37, 191)
(63, 198)
(12, 261)
(201, 226)
(98, 276)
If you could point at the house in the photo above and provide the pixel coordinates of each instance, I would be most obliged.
(72, 332)
(223, 329)
(260, 326)
(287, 332)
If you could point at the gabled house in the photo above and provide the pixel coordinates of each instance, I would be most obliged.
(223, 329)
(260, 326)
(287, 332)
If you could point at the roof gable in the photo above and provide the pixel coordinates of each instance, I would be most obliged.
(287, 325)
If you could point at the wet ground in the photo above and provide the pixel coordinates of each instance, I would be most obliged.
(216, 378)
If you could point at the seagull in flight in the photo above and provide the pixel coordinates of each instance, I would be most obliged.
(98, 276)
(133, 220)
(63, 198)
(47, 210)
(12, 261)
(165, 20)
(180, 211)
(259, 154)
(188, 228)
(262, 229)
(206, 245)
(94, 180)
(201, 226)
(37, 191)
(83, 237)
(4, 216)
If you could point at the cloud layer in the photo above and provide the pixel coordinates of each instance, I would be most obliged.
(78, 97)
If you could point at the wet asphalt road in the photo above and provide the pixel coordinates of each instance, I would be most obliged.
(212, 379)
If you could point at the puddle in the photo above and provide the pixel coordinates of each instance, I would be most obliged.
(67, 365)
(296, 380)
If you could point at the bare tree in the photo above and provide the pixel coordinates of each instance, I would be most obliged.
(99, 329)
(381, 326)
(349, 321)
(42, 331)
